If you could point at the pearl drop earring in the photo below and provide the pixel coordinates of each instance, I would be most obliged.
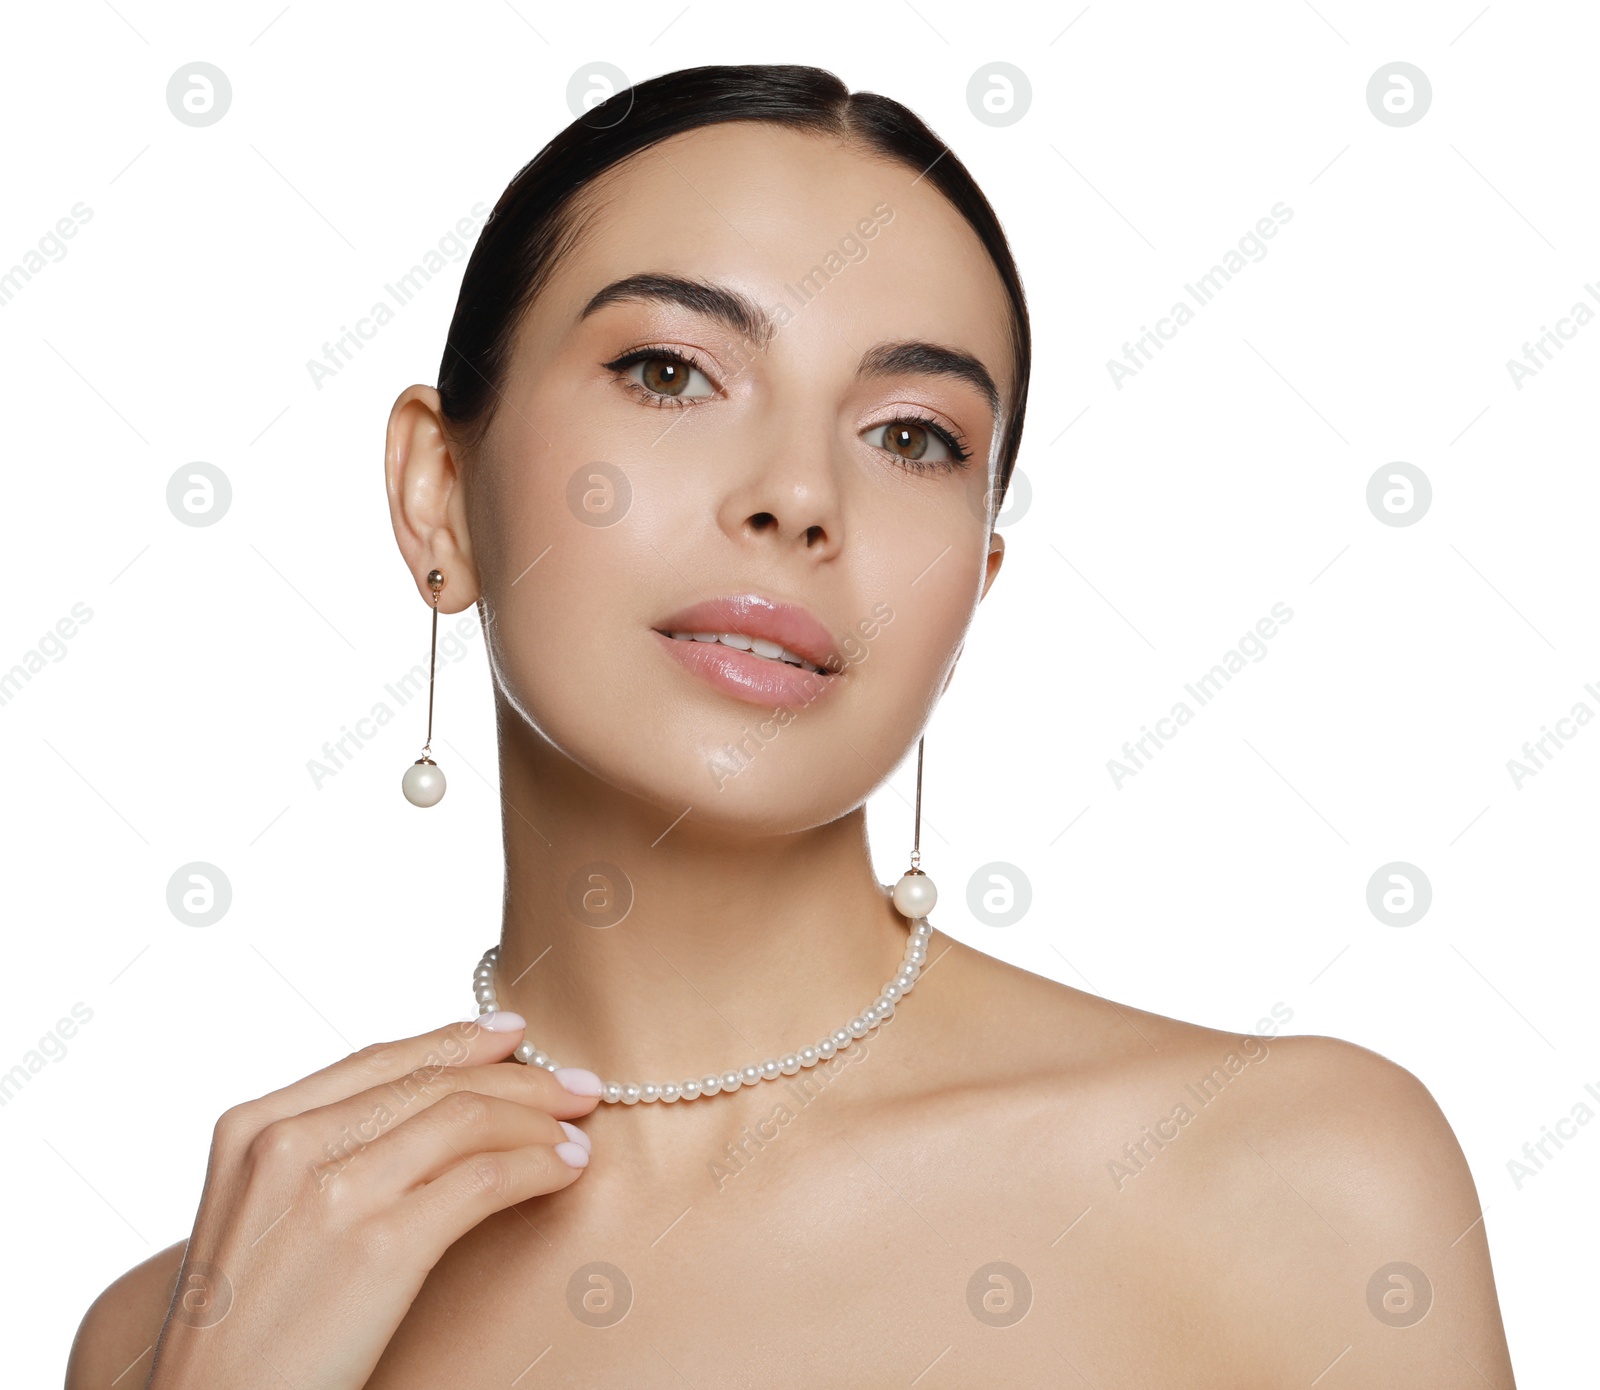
(914, 894)
(423, 783)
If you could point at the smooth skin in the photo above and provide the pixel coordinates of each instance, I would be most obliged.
(955, 1203)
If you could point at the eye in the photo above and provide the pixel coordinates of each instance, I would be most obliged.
(662, 376)
(919, 442)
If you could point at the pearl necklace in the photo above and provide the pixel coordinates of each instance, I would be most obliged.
(631, 1093)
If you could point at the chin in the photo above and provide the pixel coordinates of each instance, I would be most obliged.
(738, 766)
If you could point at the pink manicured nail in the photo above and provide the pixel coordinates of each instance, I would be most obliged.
(573, 1155)
(579, 1080)
(502, 1021)
(576, 1135)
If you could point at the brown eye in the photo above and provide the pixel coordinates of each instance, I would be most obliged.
(908, 440)
(918, 442)
(665, 376)
(662, 377)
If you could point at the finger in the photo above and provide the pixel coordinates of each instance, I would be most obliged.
(326, 1139)
(533, 1086)
(483, 1183)
(381, 1108)
(452, 1128)
(462, 1043)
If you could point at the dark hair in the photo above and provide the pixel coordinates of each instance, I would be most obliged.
(534, 222)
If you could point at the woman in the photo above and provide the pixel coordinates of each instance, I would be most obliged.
(733, 390)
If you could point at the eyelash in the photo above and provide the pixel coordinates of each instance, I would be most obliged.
(953, 440)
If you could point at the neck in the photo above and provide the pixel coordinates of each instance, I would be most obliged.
(728, 950)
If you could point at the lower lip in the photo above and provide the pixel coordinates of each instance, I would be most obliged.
(746, 676)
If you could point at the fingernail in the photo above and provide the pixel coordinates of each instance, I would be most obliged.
(502, 1021)
(576, 1135)
(573, 1155)
(579, 1080)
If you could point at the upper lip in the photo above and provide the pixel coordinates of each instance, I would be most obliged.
(752, 615)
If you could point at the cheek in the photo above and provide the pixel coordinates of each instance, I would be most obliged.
(563, 563)
(921, 597)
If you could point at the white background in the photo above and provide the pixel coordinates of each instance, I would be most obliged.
(1166, 518)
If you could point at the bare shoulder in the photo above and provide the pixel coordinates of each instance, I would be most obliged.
(118, 1332)
(1304, 1194)
(1357, 1197)
(1323, 1100)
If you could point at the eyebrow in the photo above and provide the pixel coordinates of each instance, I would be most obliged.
(751, 322)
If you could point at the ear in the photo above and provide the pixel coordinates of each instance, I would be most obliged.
(952, 674)
(997, 555)
(427, 503)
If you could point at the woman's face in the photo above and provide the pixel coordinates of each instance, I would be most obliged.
(648, 456)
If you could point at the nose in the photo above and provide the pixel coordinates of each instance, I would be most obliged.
(793, 501)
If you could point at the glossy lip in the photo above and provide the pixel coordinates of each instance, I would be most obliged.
(751, 615)
(744, 675)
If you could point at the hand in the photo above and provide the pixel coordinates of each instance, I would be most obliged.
(326, 1203)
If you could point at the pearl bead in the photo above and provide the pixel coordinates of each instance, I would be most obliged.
(423, 784)
(915, 895)
(753, 1073)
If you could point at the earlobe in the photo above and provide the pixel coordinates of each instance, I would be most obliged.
(952, 675)
(997, 555)
(427, 505)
